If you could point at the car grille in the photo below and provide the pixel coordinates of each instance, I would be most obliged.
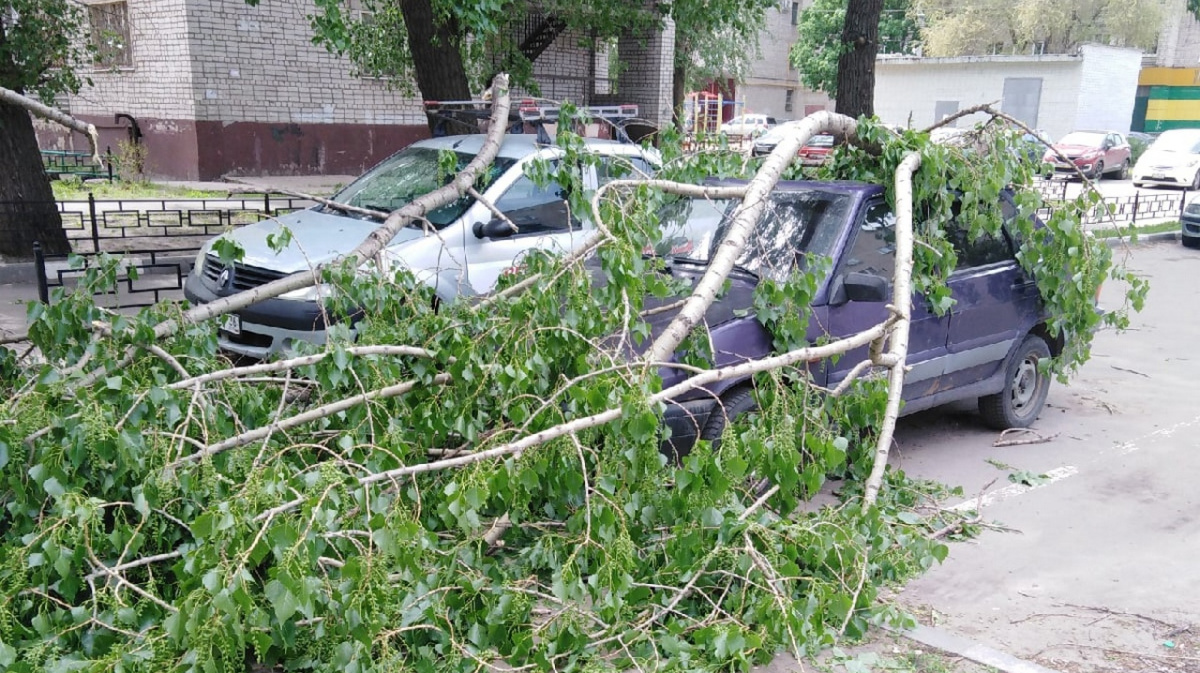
(244, 275)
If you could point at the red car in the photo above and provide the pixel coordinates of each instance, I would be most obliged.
(1094, 153)
(816, 150)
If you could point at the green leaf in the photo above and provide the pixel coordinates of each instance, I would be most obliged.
(285, 603)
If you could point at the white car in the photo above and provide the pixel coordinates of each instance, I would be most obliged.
(466, 254)
(747, 125)
(1172, 159)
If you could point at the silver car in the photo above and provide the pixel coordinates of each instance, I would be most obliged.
(464, 253)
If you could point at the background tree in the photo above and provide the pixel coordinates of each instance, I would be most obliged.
(819, 47)
(714, 40)
(36, 54)
(956, 28)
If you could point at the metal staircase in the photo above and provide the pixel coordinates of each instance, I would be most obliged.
(542, 36)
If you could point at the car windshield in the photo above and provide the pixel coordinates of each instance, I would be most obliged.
(1084, 138)
(411, 173)
(795, 224)
(1177, 141)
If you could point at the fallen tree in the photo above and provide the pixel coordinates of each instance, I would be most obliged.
(480, 486)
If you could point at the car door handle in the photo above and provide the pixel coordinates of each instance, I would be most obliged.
(1023, 283)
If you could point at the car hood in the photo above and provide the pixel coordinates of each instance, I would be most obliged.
(1167, 158)
(317, 237)
(736, 303)
(1076, 150)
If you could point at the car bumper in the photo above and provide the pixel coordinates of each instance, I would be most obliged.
(1165, 176)
(1190, 227)
(269, 327)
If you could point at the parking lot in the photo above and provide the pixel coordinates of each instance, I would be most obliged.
(1100, 571)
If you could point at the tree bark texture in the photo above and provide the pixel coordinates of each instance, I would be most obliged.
(678, 90)
(436, 53)
(27, 209)
(856, 67)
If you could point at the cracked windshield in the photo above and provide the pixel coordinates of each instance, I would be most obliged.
(795, 226)
(411, 174)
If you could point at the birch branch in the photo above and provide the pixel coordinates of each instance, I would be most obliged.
(744, 222)
(57, 116)
(902, 303)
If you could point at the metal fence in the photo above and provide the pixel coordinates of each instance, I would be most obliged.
(1120, 210)
(156, 239)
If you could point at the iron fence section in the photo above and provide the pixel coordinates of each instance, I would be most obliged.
(157, 240)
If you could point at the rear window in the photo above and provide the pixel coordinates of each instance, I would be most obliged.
(820, 141)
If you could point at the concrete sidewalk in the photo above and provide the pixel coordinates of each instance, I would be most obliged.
(317, 185)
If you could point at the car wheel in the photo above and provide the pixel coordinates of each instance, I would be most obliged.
(1025, 388)
(1098, 171)
(1123, 172)
(729, 408)
(1138, 185)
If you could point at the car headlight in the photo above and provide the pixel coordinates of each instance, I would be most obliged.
(1193, 163)
(318, 292)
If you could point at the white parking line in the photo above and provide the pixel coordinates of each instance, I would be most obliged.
(1135, 445)
(992, 497)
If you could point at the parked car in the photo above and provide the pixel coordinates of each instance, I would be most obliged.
(748, 125)
(1190, 223)
(1172, 159)
(987, 347)
(1094, 153)
(470, 251)
(816, 151)
(765, 143)
(1138, 142)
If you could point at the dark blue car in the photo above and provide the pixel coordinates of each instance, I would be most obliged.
(987, 346)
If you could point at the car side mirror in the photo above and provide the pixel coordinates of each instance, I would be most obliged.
(494, 228)
(865, 287)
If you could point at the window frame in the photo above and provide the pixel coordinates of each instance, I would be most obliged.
(102, 59)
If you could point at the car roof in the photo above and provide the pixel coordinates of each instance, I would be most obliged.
(848, 187)
(519, 145)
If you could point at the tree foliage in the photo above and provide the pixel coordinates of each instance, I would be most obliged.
(345, 512)
(817, 51)
(39, 46)
(954, 28)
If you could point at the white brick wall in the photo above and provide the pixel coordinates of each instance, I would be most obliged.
(1179, 39)
(159, 84)
(259, 64)
(909, 88)
(1107, 87)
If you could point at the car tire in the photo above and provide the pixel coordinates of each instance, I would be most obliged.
(1138, 185)
(1098, 171)
(731, 405)
(1123, 171)
(1189, 241)
(1196, 181)
(1025, 388)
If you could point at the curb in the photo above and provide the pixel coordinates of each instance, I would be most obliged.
(968, 649)
(1145, 238)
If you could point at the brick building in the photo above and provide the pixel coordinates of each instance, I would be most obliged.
(773, 85)
(216, 87)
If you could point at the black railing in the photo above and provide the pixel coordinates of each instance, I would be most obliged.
(1119, 210)
(157, 240)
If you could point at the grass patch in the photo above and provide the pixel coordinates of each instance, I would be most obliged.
(1126, 232)
(76, 190)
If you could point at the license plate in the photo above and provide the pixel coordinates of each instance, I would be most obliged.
(1159, 176)
(231, 323)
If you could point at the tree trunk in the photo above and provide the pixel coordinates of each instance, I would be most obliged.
(436, 53)
(678, 90)
(856, 67)
(27, 210)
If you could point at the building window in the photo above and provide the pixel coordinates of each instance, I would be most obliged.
(110, 34)
(789, 98)
(795, 13)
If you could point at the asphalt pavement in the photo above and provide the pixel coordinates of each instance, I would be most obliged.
(1099, 568)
